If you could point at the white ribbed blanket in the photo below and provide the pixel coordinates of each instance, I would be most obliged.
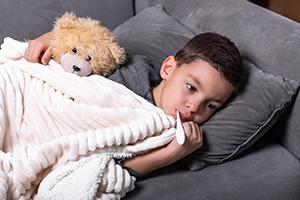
(71, 126)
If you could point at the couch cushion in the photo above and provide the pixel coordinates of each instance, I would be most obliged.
(268, 172)
(142, 4)
(152, 33)
(237, 126)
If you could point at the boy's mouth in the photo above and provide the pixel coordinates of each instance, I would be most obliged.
(183, 116)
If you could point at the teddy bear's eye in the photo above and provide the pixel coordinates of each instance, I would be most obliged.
(88, 58)
(74, 50)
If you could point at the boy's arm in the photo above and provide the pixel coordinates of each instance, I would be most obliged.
(170, 153)
(150, 161)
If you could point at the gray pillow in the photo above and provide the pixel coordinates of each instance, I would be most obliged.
(153, 33)
(239, 123)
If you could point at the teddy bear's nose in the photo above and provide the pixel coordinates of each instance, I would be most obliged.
(76, 68)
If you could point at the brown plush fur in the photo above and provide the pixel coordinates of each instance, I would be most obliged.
(91, 39)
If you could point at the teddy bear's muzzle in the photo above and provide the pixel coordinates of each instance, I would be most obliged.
(75, 64)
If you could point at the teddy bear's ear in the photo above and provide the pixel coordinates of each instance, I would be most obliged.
(118, 53)
(67, 20)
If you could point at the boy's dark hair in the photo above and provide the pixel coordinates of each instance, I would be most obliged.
(217, 50)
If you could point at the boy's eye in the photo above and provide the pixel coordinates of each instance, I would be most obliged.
(190, 87)
(74, 50)
(211, 106)
(88, 58)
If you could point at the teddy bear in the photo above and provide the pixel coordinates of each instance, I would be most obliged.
(83, 46)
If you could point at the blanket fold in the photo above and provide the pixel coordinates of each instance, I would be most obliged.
(57, 127)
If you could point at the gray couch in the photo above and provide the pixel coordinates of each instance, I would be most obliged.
(269, 168)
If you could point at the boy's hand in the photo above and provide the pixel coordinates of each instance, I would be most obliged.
(193, 141)
(170, 153)
(38, 50)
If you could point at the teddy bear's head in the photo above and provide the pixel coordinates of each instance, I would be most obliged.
(83, 46)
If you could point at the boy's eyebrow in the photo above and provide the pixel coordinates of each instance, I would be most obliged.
(195, 79)
(220, 102)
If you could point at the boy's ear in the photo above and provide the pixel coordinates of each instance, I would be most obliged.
(167, 67)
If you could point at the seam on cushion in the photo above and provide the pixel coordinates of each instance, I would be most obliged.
(289, 86)
(289, 152)
(179, 22)
(275, 114)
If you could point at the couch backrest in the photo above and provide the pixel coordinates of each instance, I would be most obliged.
(269, 40)
(30, 18)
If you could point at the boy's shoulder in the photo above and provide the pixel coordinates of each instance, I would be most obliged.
(137, 75)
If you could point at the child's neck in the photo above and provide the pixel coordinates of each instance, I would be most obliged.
(156, 94)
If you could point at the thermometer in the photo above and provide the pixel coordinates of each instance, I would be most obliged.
(180, 136)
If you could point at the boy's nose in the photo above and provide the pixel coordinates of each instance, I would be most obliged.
(194, 106)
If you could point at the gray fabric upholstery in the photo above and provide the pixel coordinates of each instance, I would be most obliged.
(269, 171)
(29, 19)
(152, 33)
(142, 4)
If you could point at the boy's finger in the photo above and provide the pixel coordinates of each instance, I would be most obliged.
(187, 129)
(46, 57)
(200, 135)
(194, 130)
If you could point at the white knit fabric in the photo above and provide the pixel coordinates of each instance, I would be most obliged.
(69, 127)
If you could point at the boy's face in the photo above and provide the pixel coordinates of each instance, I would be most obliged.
(196, 90)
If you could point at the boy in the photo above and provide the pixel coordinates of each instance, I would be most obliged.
(197, 81)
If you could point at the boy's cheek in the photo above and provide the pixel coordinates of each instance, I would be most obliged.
(201, 119)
